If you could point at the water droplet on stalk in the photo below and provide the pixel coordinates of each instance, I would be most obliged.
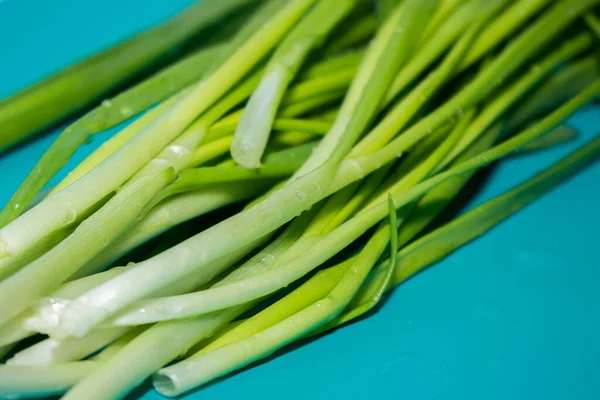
(107, 103)
(300, 195)
(126, 111)
(70, 216)
(267, 259)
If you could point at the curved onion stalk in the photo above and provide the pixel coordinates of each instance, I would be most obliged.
(401, 113)
(180, 208)
(191, 303)
(52, 213)
(252, 288)
(390, 44)
(521, 87)
(50, 351)
(493, 33)
(174, 380)
(513, 56)
(37, 107)
(253, 130)
(167, 126)
(210, 365)
(431, 50)
(298, 195)
(185, 375)
(257, 20)
(171, 212)
(27, 381)
(121, 212)
(108, 114)
(499, 29)
(304, 91)
(564, 83)
(443, 12)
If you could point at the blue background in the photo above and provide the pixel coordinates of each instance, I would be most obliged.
(512, 315)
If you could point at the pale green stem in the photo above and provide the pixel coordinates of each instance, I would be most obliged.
(252, 288)
(50, 351)
(27, 381)
(389, 50)
(297, 195)
(253, 130)
(57, 211)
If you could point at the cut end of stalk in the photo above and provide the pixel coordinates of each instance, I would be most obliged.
(242, 155)
(165, 384)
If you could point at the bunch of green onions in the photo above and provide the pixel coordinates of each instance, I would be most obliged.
(340, 128)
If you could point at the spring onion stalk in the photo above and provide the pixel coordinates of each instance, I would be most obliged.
(592, 21)
(522, 86)
(420, 223)
(152, 139)
(252, 288)
(407, 180)
(16, 329)
(253, 130)
(314, 87)
(139, 316)
(406, 108)
(222, 130)
(27, 381)
(189, 205)
(438, 244)
(155, 175)
(391, 44)
(50, 351)
(476, 222)
(185, 336)
(312, 104)
(443, 12)
(266, 331)
(108, 114)
(62, 95)
(172, 212)
(513, 56)
(225, 126)
(222, 360)
(350, 203)
(450, 30)
(555, 137)
(517, 14)
(356, 34)
(331, 65)
(564, 83)
(297, 195)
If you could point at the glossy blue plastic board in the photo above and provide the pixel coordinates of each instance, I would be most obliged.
(513, 315)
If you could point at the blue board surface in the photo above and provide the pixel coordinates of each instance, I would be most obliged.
(513, 315)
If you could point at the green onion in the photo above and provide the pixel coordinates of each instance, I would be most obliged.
(38, 107)
(252, 131)
(353, 153)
